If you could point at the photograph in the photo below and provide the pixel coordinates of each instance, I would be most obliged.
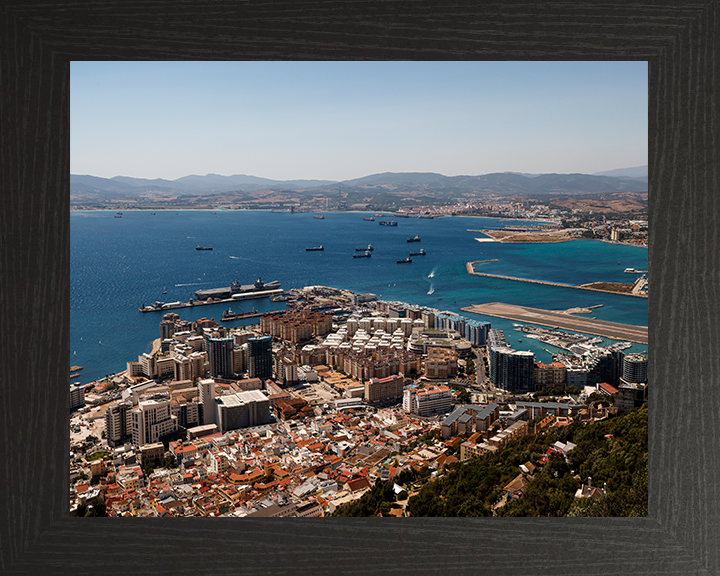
(308, 289)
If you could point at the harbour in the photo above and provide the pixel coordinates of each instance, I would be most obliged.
(133, 271)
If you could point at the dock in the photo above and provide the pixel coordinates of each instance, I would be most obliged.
(192, 303)
(562, 320)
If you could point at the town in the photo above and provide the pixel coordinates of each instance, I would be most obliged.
(305, 412)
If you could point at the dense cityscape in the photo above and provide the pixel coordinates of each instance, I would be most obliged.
(345, 404)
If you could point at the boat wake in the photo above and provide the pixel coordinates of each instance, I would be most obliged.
(193, 284)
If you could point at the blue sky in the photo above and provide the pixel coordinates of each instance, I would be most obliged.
(344, 120)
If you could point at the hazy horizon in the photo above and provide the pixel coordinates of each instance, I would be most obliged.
(344, 120)
(389, 171)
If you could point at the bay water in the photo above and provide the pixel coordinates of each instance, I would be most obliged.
(120, 264)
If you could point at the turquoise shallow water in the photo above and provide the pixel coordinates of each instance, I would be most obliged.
(119, 264)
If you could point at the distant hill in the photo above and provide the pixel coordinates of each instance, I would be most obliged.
(636, 172)
(192, 184)
(499, 183)
(390, 189)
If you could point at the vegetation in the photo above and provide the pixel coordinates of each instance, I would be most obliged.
(98, 455)
(613, 452)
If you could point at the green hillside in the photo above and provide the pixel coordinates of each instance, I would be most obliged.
(613, 452)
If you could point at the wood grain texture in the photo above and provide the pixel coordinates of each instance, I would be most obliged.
(680, 41)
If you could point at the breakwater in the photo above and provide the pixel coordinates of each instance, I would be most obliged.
(471, 270)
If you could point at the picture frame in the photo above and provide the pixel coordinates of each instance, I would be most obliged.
(679, 41)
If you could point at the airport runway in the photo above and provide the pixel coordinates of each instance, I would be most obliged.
(561, 320)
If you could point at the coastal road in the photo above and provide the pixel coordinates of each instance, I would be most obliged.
(562, 320)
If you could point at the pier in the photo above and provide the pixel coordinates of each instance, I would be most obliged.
(562, 320)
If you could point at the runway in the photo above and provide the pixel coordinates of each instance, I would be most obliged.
(562, 320)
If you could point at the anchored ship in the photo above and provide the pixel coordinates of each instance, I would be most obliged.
(420, 253)
(387, 223)
(365, 254)
(405, 260)
(230, 315)
(321, 247)
(414, 239)
(369, 247)
(203, 247)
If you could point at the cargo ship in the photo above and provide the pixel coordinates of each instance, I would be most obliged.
(387, 223)
(369, 247)
(405, 260)
(365, 254)
(316, 248)
(414, 239)
(421, 253)
(321, 217)
(203, 247)
(230, 315)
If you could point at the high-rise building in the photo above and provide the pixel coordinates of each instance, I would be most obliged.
(77, 396)
(512, 369)
(260, 357)
(634, 369)
(151, 420)
(206, 387)
(220, 357)
(118, 424)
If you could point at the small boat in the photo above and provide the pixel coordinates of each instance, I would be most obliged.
(405, 260)
(387, 223)
(119, 213)
(317, 248)
(164, 292)
(116, 216)
(203, 247)
(153, 214)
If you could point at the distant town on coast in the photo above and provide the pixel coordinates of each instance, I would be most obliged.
(348, 404)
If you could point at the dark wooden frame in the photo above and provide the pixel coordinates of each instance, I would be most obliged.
(680, 42)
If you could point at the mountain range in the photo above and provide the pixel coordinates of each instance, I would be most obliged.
(394, 183)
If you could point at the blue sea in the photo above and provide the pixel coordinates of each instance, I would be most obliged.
(120, 264)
